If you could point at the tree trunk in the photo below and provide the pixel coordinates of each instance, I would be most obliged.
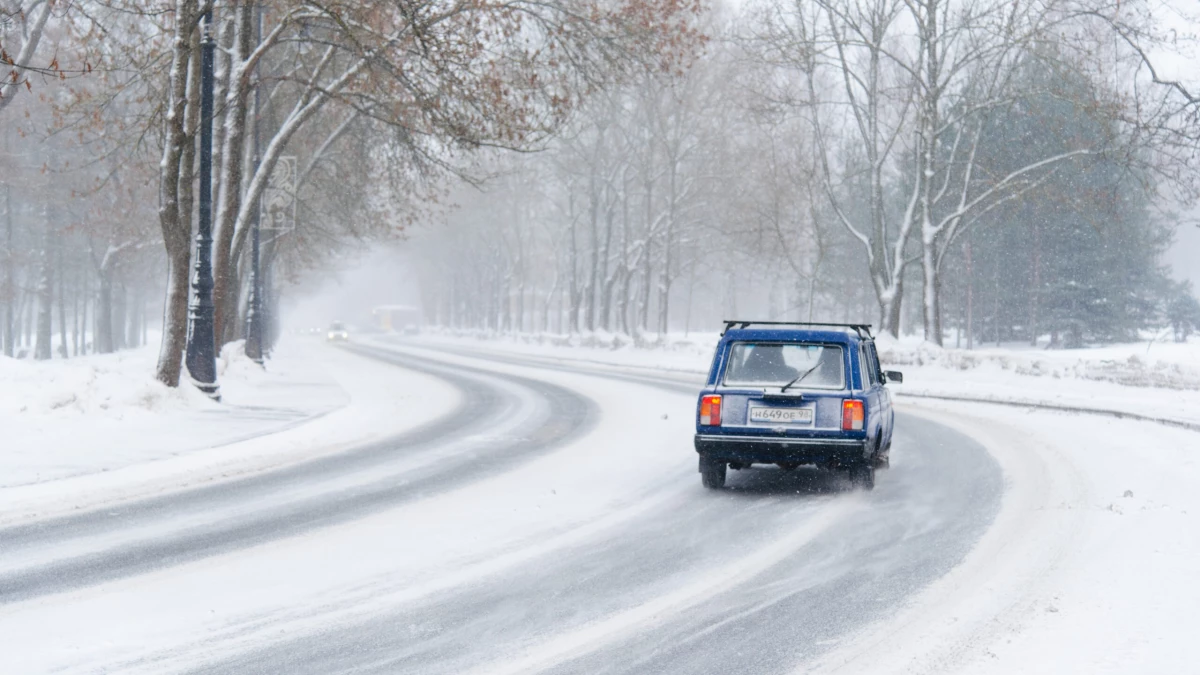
(104, 314)
(28, 300)
(75, 312)
(174, 335)
(62, 304)
(594, 272)
(575, 291)
(45, 294)
(970, 296)
(83, 313)
(1035, 285)
(120, 316)
(931, 297)
(647, 286)
(233, 154)
(664, 286)
(133, 332)
(10, 279)
(175, 212)
(890, 306)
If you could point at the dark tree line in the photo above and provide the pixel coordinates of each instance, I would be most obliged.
(1075, 258)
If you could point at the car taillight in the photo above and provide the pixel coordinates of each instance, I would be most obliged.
(710, 411)
(852, 415)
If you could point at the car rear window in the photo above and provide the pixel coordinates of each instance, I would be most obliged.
(818, 366)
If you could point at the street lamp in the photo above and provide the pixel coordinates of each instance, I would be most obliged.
(201, 357)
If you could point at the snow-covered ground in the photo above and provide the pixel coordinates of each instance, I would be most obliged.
(99, 413)
(1089, 568)
(97, 429)
(1089, 565)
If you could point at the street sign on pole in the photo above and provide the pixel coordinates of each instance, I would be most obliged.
(279, 200)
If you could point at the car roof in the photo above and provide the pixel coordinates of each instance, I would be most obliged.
(834, 335)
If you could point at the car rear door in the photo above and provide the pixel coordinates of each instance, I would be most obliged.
(876, 403)
(741, 400)
(885, 396)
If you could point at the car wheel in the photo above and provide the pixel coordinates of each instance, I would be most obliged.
(862, 476)
(712, 474)
(882, 459)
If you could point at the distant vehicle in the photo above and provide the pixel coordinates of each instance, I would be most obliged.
(337, 332)
(404, 319)
(793, 394)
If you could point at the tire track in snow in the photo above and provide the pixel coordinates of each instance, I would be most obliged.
(791, 598)
(53, 556)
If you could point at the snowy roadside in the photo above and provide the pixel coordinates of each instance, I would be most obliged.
(1089, 567)
(1158, 381)
(100, 430)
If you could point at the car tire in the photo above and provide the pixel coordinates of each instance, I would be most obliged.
(862, 476)
(882, 459)
(712, 474)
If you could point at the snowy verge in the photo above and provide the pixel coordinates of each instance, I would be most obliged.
(1120, 379)
(1087, 568)
(312, 400)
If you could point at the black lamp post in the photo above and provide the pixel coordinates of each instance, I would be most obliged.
(254, 312)
(201, 351)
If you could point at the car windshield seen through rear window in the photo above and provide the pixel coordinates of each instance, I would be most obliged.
(810, 365)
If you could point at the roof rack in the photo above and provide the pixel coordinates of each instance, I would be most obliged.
(863, 329)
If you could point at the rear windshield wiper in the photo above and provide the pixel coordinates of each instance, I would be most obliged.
(799, 378)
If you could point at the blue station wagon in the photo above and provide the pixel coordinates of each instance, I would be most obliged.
(792, 394)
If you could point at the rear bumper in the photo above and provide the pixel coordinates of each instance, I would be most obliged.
(776, 449)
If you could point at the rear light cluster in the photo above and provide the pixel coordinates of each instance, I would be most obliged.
(852, 415)
(710, 411)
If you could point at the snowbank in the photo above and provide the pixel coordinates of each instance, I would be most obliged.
(108, 385)
(687, 353)
(99, 429)
(1148, 364)
(98, 413)
(1150, 379)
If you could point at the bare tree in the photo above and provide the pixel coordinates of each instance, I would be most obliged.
(22, 23)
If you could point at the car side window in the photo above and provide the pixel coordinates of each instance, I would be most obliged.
(876, 371)
(872, 366)
(869, 376)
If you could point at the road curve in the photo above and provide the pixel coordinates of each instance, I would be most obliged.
(512, 419)
(760, 578)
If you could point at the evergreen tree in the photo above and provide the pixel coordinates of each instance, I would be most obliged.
(1077, 255)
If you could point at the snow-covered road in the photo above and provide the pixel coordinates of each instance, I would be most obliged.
(552, 521)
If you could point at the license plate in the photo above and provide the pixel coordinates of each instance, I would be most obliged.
(784, 415)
